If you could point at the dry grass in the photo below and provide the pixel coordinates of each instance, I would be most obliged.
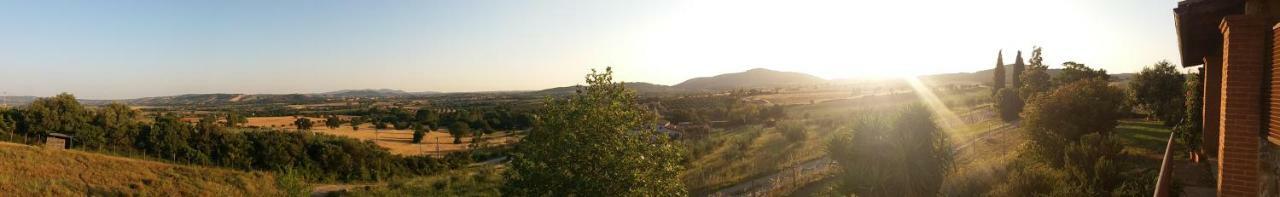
(436, 143)
(34, 171)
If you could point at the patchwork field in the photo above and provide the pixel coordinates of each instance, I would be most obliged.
(36, 171)
(436, 143)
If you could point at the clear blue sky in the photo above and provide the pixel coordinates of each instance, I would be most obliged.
(129, 49)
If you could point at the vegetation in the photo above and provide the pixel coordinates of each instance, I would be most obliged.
(597, 142)
(1065, 114)
(909, 157)
(1008, 104)
(1159, 89)
(34, 171)
(1188, 131)
(794, 131)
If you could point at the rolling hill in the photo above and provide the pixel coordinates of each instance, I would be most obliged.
(36, 171)
(754, 78)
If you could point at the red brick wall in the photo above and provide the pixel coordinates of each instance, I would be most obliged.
(1273, 97)
(1212, 104)
(1245, 53)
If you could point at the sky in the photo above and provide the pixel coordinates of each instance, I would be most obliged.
(131, 49)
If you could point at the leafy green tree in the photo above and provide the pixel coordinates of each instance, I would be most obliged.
(333, 122)
(1073, 72)
(1054, 119)
(427, 117)
(598, 142)
(1188, 131)
(458, 130)
(303, 123)
(1160, 90)
(120, 124)
(60, 114)
(1035, 79)
(418, 133)
(908, 157)
(234, 120)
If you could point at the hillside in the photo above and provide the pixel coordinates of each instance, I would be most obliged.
(753, 78)
(35, 171)
(639, 87)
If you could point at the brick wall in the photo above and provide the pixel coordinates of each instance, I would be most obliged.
(1273, 88)
(1212, 105)
(1245, 53)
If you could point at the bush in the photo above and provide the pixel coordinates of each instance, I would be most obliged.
(909, 156)
(1008, 104)
(1068, 112)
(794, 131)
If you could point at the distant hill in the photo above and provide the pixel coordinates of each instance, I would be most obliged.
(639, 87)
(372, 93)
(36, 171)
(753, 78)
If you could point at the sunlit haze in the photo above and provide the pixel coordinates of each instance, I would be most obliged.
(112, 50)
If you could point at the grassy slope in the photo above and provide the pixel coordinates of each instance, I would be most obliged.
(34, 171)
(482, 180)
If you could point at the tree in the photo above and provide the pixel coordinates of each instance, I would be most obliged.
(1056, 118)
(234, 120)
(60, 114)
(418, 133)
(1008, 104)
(908, 157)
(998, 76)
(355, 123)
(303, 123)
(333, 122)
(1035, 79)
(1073, 72)
(1159, 89)
(458, 130)
(598, 142)
(1018, 67)
(120, 124)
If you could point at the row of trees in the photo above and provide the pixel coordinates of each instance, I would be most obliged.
(115, 128)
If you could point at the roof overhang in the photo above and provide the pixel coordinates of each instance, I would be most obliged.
(1197, 24)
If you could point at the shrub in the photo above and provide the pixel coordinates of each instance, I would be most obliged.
(1068, 112)
(794, 131)
(1008, 104)
(909, 156)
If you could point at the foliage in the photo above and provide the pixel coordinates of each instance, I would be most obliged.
(303, 123)
(459, 130)
(333, 122)
(1160, 89)
(120, 123)
(1068, 112)
(1073, 72)
(598, 142)
(292, 182)
(418, 133)
(1008, 104)
(998, 76)
(1090, 167)
(909, 157)
(59, 114)
(1188, 131)
(1035, 79)
(794, 131)
(235, 119)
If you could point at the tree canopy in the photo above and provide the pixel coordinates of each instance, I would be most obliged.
(598, 142)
